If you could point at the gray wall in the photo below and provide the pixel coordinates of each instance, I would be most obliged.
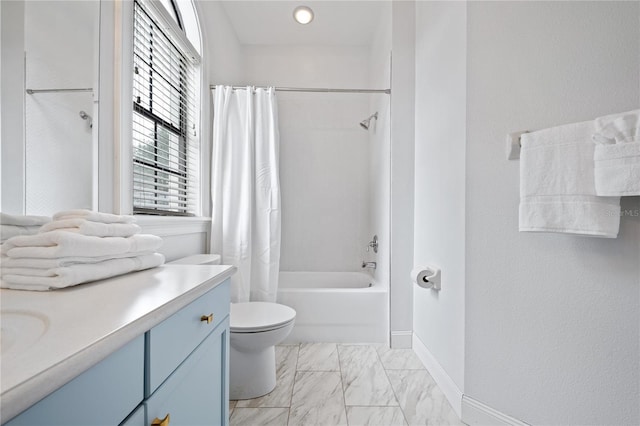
(440, 179)
(552, 321)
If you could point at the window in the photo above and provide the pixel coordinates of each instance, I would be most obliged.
(165, 112)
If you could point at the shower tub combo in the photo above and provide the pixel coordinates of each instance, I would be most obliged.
(342, 307)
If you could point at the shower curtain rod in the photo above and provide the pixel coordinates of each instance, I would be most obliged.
(32, 91)
(317, 90)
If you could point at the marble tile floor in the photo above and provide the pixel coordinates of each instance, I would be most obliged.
(347, 384)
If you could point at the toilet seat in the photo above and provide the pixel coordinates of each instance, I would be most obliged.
(256, 317)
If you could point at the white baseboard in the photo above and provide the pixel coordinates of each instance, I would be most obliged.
(475, 413)
(401, 339)
(442, 378)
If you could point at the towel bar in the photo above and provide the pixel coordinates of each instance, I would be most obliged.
(514, 145)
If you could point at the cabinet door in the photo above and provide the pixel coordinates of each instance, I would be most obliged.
(136, 418)
(196, 393)
(171, 341)
(102, 395)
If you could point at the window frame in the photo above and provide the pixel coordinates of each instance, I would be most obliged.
(177, 37)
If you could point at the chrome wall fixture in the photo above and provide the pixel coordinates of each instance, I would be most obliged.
(367, 122)
(34, 91)
(316, 89)
(87, 117)
(373, 244)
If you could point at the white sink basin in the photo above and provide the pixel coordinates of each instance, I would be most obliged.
(19, 329)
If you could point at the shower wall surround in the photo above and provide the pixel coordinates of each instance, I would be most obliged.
(380, 147)
(325, 182)
(325, 156)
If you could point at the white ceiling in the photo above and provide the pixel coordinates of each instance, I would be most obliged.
(346, 22)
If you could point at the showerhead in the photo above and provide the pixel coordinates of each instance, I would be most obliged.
(366, 123)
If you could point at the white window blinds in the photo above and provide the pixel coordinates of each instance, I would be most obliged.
(165, 129)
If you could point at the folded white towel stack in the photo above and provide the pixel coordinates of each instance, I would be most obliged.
(93, 216)
(13, 225)
(557, 188)
(60, 243)
(91, 228)
(10, 231)
(57, 262)
(78, 246)
(80, 273)
(617, 154)
(9, 219)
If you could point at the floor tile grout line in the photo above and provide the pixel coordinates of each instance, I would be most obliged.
(395, 395)
(344, 398)
(373, 406)
(295, 374)
(402, 375)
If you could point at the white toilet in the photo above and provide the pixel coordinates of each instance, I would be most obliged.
(256, 327)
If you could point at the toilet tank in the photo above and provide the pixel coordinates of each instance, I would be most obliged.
(198, 259)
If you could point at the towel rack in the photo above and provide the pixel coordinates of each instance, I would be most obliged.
(33, 91)
(514, 144)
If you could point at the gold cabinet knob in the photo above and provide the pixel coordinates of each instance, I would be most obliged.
(207, 318)
(163, 422)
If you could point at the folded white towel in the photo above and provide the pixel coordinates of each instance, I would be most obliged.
(617, 155)
(10, 231)
(93, 216)
(54, 244)
(56, 262)
(80, 273)
(617, 169)
(95, 229)
(618, 128)
(557, 188)
(32, 272)
(10, 219)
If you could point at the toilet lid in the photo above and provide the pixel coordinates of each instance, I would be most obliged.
(251, 317)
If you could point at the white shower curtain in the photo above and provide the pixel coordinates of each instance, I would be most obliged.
(245, 190)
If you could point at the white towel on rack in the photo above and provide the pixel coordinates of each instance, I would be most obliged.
(618, 128)
(80, 273)
(617, 169)
(93, 216)
(617, 154)
(10, 219)
(90, 228)
(557, 188)
(55, 244)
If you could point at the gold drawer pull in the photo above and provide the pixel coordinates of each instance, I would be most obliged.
(163, 422)
(207, 318)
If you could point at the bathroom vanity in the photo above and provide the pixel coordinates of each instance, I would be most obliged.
(148, 348)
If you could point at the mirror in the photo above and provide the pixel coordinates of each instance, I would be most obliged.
(59, 137)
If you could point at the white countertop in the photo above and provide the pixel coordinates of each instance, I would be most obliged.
(73, 329)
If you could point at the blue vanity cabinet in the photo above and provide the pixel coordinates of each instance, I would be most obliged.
(170, 342)
(137, 418)
(187, 374)
(196, 393)
(104, 394)
(177, 372)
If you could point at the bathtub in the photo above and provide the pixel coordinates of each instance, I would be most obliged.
(342, 307)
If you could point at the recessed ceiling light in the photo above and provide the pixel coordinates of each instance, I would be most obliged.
(303, 15)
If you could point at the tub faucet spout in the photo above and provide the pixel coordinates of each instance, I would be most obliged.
(371, 265)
